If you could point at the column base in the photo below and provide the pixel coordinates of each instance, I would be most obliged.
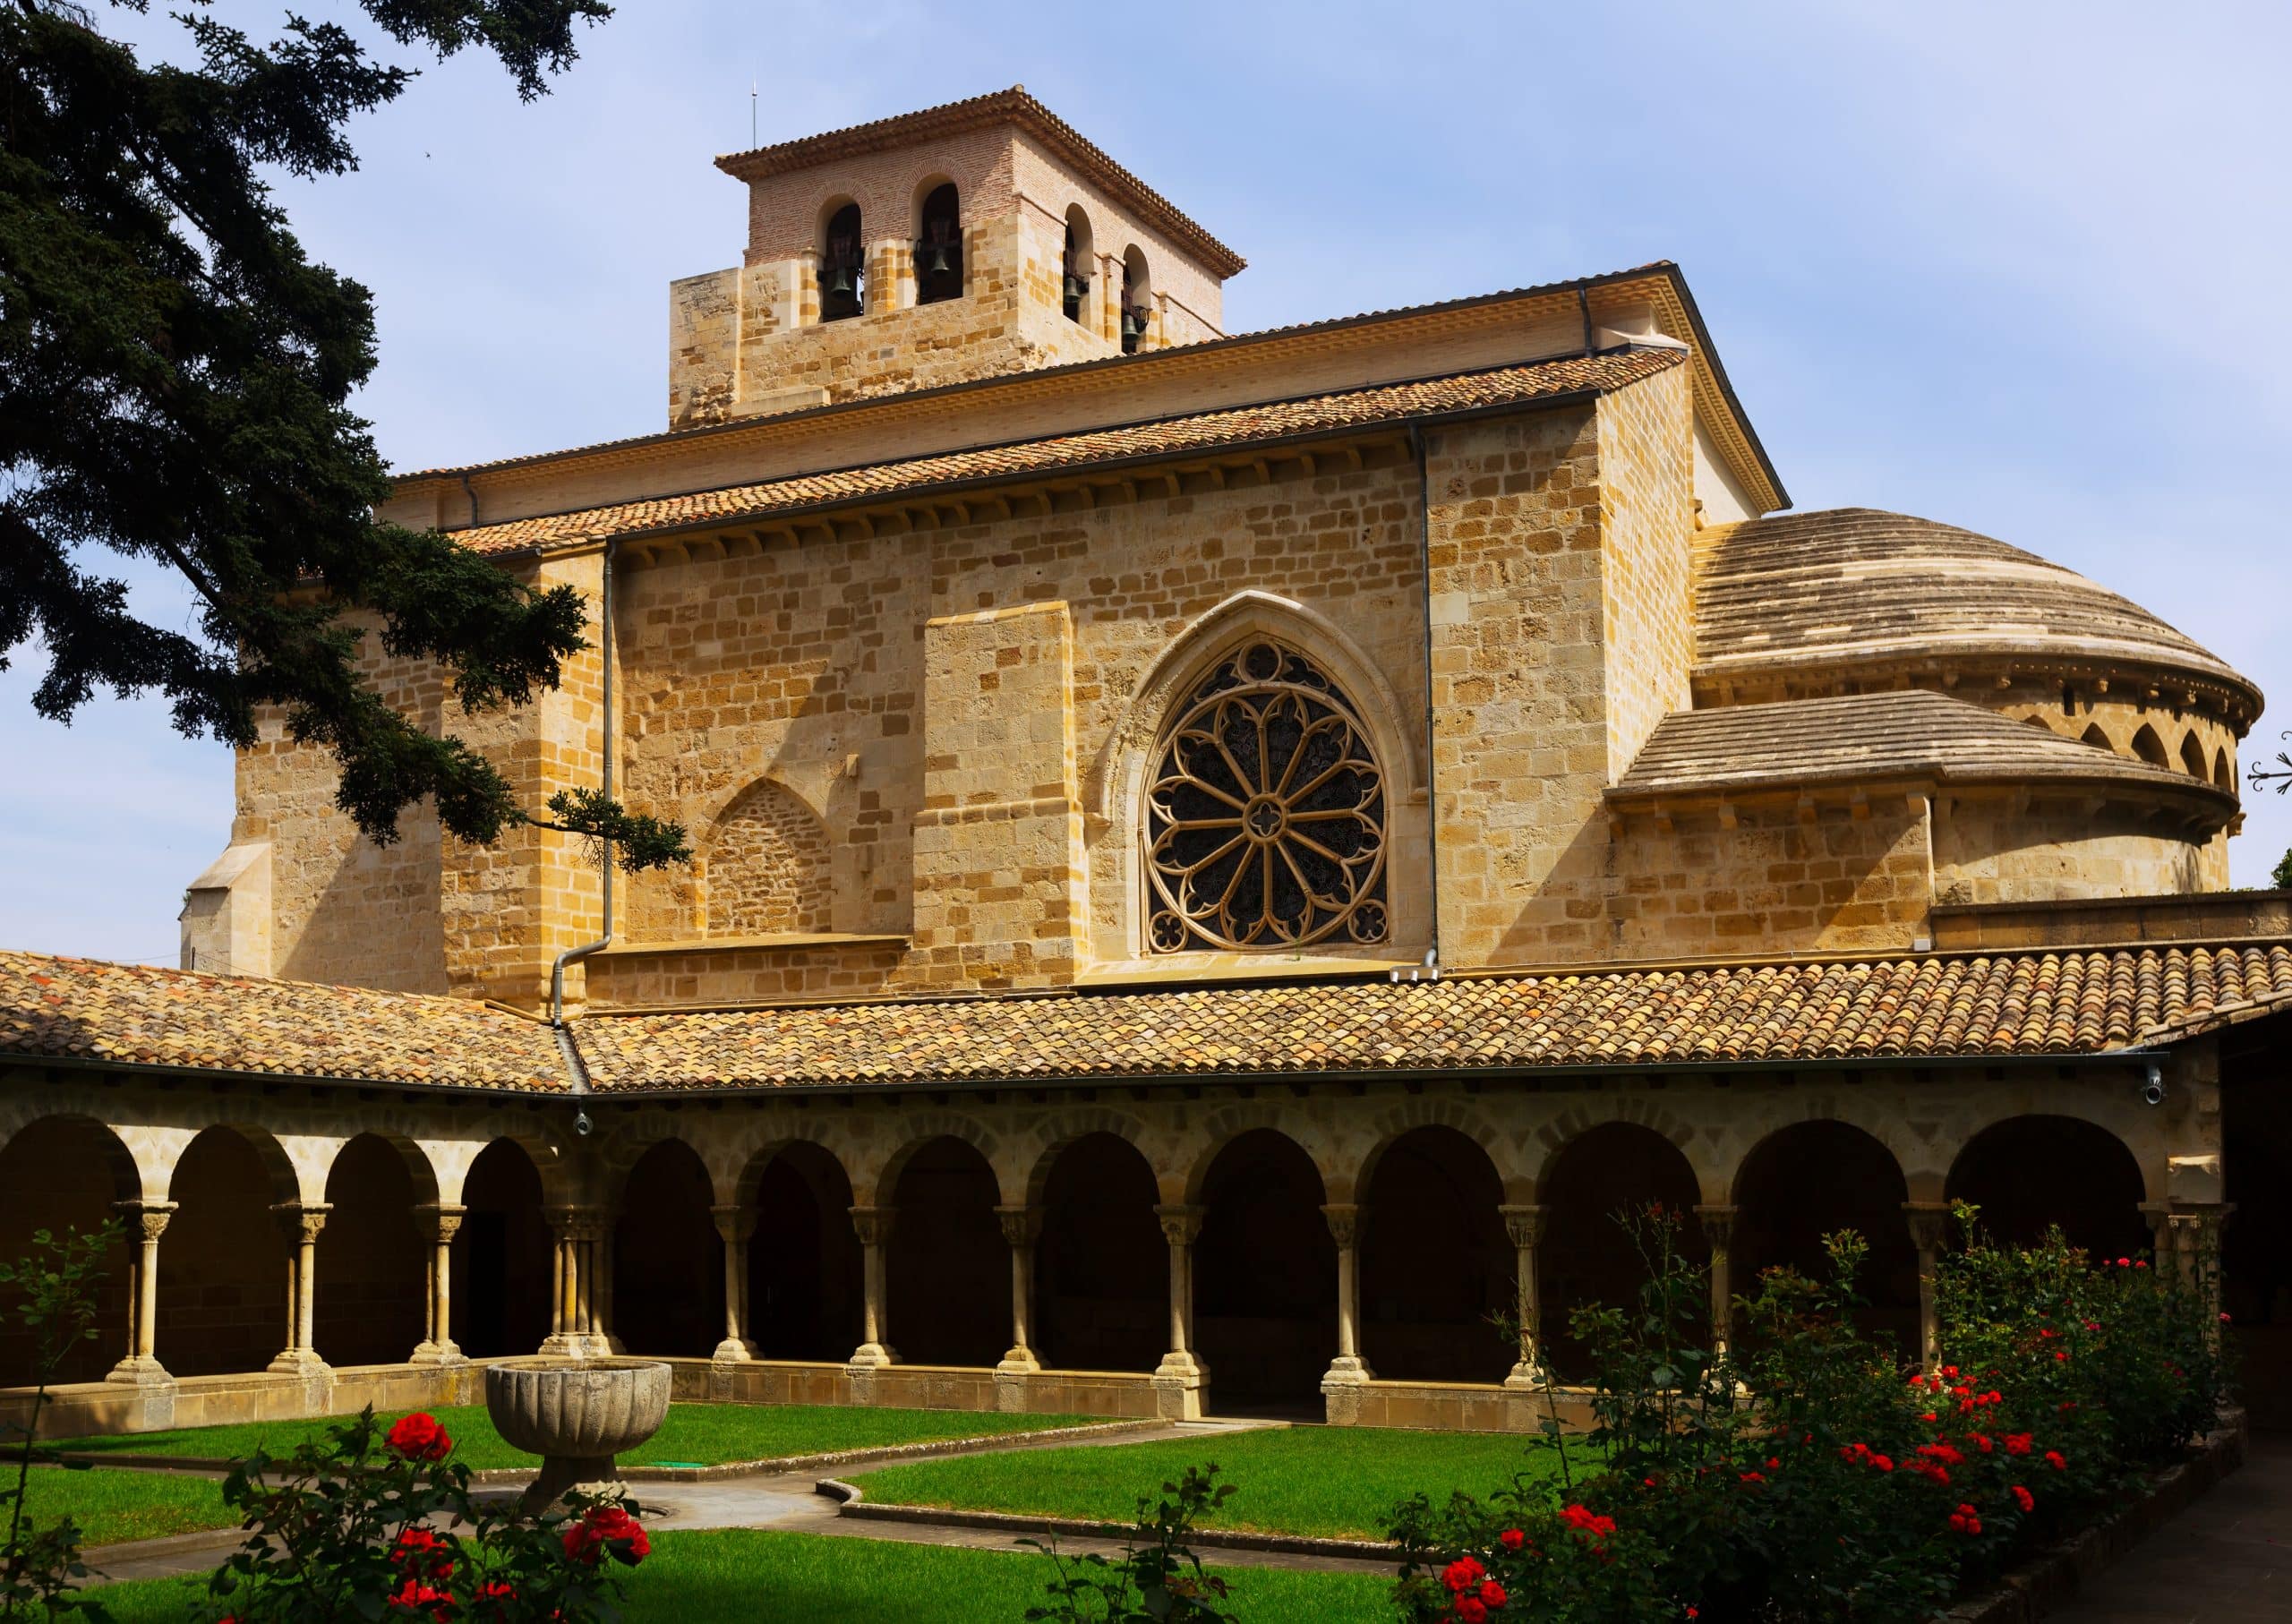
(576, 1345)
(1346, 1369)
(733, 1350)
(1526, 1374)
(140, 1370)
(299, 1362)
(437, 1353)
(871, 1356)
(1181, 1387)
(1019, 1362)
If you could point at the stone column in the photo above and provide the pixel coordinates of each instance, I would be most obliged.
(146, 1222)
(735, 1224)
(1181, 1379)
(1929, 1226)
(2188, 1242)
(300, 1222)
(1349, 1368)
(439, 1222)
(601, 1323)
(573, 1332)
(875, 1226)
(1525, 1226)
(1719, 1229)
(1021, 1225)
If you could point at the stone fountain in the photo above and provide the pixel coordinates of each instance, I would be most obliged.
(577, 1415)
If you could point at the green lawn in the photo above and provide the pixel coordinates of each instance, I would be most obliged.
(1325, 1481)
(697, 1434)
(112, 1506)
(755, 1576)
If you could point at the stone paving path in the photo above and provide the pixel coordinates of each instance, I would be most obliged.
(2227, 1559)
(782, 1501)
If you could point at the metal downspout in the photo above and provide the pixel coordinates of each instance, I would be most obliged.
(574, 955)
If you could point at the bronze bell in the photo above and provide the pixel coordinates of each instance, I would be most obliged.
(843, 283)
(1133, 323)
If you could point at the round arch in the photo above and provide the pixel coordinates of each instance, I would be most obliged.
(1102, 1273)
(938, 217)
(63, 1174)
(1816, 1177)
(502, 1255)
(668, 1260)
(2028, 1173)
(1596, 1193)
(949, 1284)
(1265, 1274)
(222, 1297)
(373, 1265)
(804, 1263)
(1436, 1263)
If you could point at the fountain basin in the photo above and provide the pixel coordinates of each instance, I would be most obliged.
(577, 1415)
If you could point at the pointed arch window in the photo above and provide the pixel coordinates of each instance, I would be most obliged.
(1265, 818)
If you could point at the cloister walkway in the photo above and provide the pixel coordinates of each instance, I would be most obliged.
(2227, 1559)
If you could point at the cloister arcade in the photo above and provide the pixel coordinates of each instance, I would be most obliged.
(1350, 1249)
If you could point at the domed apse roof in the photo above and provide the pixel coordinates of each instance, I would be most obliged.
(1855, 588)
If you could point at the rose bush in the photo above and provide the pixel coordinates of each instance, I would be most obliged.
(372, 1524)
(1808, 1476)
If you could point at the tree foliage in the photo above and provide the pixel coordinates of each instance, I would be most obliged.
(175, 375)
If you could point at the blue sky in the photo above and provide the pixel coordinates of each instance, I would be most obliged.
(2010, 266)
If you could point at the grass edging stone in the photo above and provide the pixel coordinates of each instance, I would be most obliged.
(2063, 1572)
(823, 1460)
(853, 1502)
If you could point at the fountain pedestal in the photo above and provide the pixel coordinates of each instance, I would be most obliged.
(577, 1415)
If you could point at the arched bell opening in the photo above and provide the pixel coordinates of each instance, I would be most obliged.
(1598, 1196)
(1436, 1265)
(668, 1282)
(1102, 1275)
(503, 1256)
(224, 1286)
(1078, 266)
(62, 1174)
(1137, 300)
(950, 1268)
(843, 265)
(1265, 1277)
(939, 246)
(1815, 1178)
(806, 1281)
(372, 1265)
(2029, 1173)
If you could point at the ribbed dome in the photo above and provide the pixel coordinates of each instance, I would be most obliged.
(1860, 587)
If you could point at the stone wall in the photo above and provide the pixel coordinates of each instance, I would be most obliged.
(1997, 851)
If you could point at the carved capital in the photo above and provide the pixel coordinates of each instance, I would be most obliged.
(301, 1221)
(1718, 1223)
(874, 1224)
(147, 1220)
(1525, 1225)
(735, 1223)
(579, 1223)
(1021, 1225)
(1929, 1224)
(1180, 1225)
(437, 1222)
(1345, 1221)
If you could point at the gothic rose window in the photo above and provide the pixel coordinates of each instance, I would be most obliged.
(1265, 815)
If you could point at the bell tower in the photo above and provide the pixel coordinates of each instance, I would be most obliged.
(968, 241)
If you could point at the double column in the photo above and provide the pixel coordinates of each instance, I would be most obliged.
(874, 1224)
(1348, 1369)
(1181, 1379)
(146, 1222)
(736, 1226)
(1021, 1228)
(300, 1223)
(580, 1306)
(1719, 1231)
(438, 1223)
(1524, 1227)
(1930, 1229)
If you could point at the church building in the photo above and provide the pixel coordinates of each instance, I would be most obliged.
(1222, 863)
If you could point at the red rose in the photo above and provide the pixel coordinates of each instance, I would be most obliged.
(419, 1437)
(2024, 1499)
(420, 1553)
(1965, 1521)
(1492, 1595)
(2053, 1458)
(1462, 1575)
(603, 1528)
(1511, 1539)
(1469, 1610)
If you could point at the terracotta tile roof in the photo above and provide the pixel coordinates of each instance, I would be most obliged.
(1855, 586)
(129, 1015)
(2032, 1003)
(1236, 428)
(1014, 106)
(1872, 738)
